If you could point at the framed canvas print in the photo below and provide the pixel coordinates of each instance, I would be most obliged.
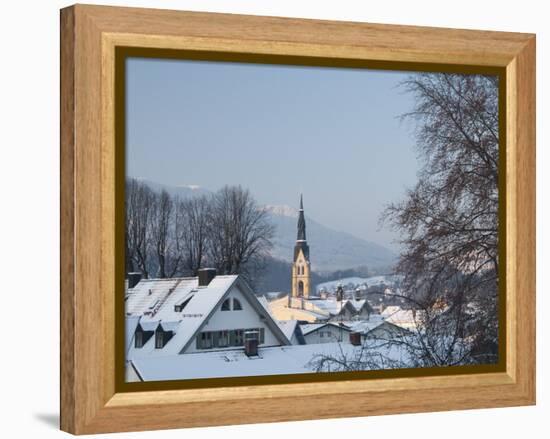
(260, 214)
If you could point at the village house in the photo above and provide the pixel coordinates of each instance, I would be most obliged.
(375, 328)
(190, 315)
(315, 333)
(215, 325)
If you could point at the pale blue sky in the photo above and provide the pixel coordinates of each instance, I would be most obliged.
(333, 134)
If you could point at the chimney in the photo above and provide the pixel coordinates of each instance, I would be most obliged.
(355, 338)
(251, 343)
(133, 279)
(206, 275)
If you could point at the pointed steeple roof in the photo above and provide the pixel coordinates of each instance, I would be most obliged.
(301, 222)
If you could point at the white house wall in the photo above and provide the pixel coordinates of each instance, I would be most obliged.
(242, 319)
(334, 335)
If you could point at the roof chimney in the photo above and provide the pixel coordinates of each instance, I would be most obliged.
(355, 338)
(206, 275)
(133, 279)
(251, 341)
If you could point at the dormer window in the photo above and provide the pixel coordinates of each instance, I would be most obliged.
(237, 305)
(141, 337)
(162, 337)
(231, 304)
(226, 305)
(178, 307)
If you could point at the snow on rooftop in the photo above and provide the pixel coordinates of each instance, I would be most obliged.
(310, 327)
(365, 326)
(131, 324)
(154, 300)
(287, 327)
(265, 303)
(333, 306)
(404, 318)
(277, 360)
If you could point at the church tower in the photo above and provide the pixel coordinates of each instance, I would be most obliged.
(301, 271)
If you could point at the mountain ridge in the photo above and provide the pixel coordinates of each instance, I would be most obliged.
(331, 249)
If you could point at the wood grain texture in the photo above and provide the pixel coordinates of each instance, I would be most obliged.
(89, 36)
(67, 254)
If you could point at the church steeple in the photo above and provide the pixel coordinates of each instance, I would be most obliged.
(301, 272)
(301, 222)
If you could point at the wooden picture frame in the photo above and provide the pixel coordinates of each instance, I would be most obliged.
(90, 36)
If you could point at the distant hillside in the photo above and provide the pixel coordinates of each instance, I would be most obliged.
(276, 278)
(330, 250)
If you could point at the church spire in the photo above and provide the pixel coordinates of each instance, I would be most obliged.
(301, 270)
(301, 222)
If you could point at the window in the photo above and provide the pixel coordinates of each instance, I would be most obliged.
(227, 338)
(141, 337)
(252, 334)
(162, 337)
(223, 338)
(237, 305)
(178, 307)
(226, 305)
(159, 340)
(204, 341)
(237, 337)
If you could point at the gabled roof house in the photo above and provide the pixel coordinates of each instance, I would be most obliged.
(198, 314)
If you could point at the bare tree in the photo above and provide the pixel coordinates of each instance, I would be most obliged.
(371, 355)
(449, 220)
(163, 239)
(139, 206)
(173, 237)
(240, 233)
(192, 232)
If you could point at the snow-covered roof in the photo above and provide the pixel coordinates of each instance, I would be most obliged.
(389, 310)
(154, 301)
(312, 327)
(265, 303)
(131, 324)
(404, 318)
(275, 360)
(288, 327)
(334, 307)
(365, 326)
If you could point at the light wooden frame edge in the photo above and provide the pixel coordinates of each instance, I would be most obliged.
(89, 35)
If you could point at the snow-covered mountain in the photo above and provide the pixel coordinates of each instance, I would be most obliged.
(329, 249)
(281, 210)
(183, 191)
